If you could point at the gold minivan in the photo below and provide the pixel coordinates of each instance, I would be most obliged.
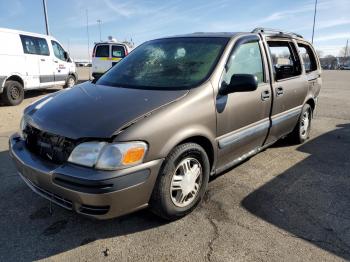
(175, 111)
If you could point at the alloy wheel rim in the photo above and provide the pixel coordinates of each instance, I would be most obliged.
(305, 124)
(186, 182)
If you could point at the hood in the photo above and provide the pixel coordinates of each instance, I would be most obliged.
(95, 111)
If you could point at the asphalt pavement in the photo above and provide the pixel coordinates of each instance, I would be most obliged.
(288, 203)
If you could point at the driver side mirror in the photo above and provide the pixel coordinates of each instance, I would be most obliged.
(240, 83)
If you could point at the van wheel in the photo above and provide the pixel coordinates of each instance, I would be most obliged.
(301, 132)
(70, 82)
(13, 93)
(181, 182)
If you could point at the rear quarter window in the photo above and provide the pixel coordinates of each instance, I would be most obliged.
(102, 51)
(308, 57)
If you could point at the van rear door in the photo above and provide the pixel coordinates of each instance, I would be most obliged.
(101, 61)
(118, 53)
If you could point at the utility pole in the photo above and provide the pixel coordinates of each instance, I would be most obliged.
(313, 27)
(346, 52)
(88, 39)
(46, 18)
(99, 28)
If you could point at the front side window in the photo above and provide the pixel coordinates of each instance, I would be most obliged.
(308, 57)
(173, 63)
(246, 59)
(102, 51)
(34, 45)
(118, 51)
(285, 62)
(58, 50)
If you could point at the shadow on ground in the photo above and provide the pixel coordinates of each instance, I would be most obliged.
(311, 200)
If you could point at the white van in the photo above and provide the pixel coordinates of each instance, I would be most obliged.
(107, 54)
(32, 61)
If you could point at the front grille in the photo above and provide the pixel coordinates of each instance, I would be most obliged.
(48, 146)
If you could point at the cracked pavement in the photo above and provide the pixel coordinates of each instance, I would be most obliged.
(288, 203)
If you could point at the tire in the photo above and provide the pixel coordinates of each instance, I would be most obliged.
(70, 82)
(166, 200)
(13, 93)
(301, 132)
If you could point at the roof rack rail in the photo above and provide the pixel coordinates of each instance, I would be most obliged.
(270, 30)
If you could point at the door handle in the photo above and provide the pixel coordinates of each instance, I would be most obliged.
(265, 95)
(55, 61)
(42, 59)
(279, 91)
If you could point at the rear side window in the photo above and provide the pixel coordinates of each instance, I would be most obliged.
(34, 45)
(102, 51)
(58, 50)
(246, 59)
(285, 62)
(118, 51)
(308, 57)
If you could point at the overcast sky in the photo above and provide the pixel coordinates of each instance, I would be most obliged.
(145, 20)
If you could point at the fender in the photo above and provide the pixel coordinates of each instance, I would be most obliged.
(13, 76)
(195, 134)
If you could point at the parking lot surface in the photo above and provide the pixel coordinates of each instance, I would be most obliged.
(288, 203)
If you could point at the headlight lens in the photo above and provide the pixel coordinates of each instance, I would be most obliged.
(86, 154)
(102, 155)
(22, 126)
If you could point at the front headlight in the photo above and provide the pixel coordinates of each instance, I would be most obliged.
(22, 126)
(102, 155)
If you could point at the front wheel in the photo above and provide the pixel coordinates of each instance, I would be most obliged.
(181, 183)
(70, 82)
(302, 130)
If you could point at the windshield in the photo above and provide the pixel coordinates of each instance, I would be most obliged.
(172, 63)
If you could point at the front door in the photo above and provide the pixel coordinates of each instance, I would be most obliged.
(243, 117)
(60, 63)
(289, 87)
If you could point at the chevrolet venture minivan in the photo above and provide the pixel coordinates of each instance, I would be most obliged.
(175, 111)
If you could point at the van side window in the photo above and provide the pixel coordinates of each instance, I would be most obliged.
(308, 58)
(102, 51)
(58, 50)
(118, 51)
(285, 62)
(246, 59)
(34, 45)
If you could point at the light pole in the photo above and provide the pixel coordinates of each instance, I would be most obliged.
(88, 39)
(46, 18)
(99, 28)
(313, 27)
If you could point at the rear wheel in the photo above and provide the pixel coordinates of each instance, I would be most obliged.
(70, 82)
(181, 183)
(302, 130)
(13, 93)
